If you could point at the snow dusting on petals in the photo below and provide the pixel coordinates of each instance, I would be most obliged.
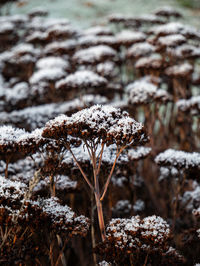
(180, 159)
(105, 123)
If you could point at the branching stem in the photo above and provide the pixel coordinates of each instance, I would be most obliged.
(81, 170)
(111, 172)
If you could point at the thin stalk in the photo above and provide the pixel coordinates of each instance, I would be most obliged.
(178, 190)
(111, 172)
(81, 170)
(61, 255)
(51, 254)
(52, 186)
(7, 163)
(88, 148)
(92, 230)
(97, 198)
(146, 258)
(100, 158)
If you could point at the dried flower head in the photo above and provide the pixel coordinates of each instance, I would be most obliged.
(104, 123)
(135, 238)
(179, 159)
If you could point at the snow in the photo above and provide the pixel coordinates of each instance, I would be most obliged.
(139, 206)
(38, 11)
(122, 206)
(12, 139)
(52, 207)
(62, 215)
(102, 121)
(138, 153)
(10, 135)
(196, 212)
(178, 158)
(47, 74)
(154, 61)
(25, 48)
(94, 54)
(168, 28)
(130, 233)
(141, 92)
(167, 11)
(93, 40)
(155, 227)
(37, 116)
(130, 36)
(190, 199)
(192, 105)
(176, 28)
(18, 93)
(82, 79)
(107, 69)
(36, 36)
(163, 96)
(98, 30)
(11, 190)
(186, 51)
(52, 62)
(171, 40)
(65, 183)
(166, 172)
(179, 70)
(17, 19)
(59, 29)
(104, 263)
(62, 183)
(140, 50)
(6, 27)
(119, 181)
(66, 46)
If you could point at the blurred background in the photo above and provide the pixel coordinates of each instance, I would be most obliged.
(86, 13)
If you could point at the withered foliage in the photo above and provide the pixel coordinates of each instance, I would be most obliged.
(137, 240)
(101, 123)
(76, 108)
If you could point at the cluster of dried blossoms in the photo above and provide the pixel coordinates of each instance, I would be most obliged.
(134, 240)
(65, 86)
(25, 222)
(98, 126)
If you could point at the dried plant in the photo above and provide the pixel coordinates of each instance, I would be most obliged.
(139, 241)
(98, 126)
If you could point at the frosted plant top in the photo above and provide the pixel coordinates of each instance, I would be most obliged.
(16, 139)
(179, 159)
(104, 123)
(152, 228)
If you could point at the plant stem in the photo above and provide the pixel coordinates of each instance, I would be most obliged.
(92, 230)
(111, 172)
(7, 162)
(52, 186)
(81, 170)
(100, 158)
(61, 255)
(97, 198)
